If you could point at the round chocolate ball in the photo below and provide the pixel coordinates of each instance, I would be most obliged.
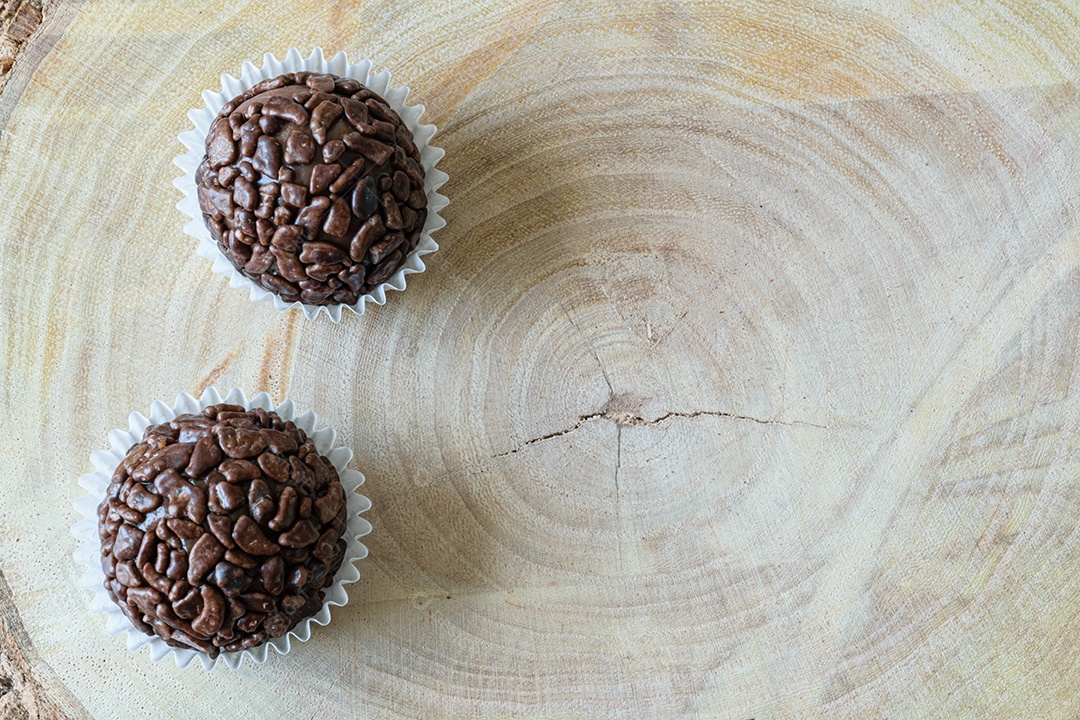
(221, 530)
(313, 188)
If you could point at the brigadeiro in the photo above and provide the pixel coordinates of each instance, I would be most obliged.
(312, 187)
(221, 529)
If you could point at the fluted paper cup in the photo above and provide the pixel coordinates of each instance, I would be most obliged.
(195, 142)
(105, 462)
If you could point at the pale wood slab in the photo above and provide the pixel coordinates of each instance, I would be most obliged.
(741, 387)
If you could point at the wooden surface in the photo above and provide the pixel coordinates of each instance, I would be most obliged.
(19, 20)
(742, 386)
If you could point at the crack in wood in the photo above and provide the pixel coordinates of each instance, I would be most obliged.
(634, 420)
(618, 514)
(622, 419)
(582, 419)
(589, 347)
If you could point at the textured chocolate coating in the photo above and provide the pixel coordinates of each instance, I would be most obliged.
(312, 187)
(221, 530)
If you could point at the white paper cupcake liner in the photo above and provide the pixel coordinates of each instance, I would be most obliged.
(195, 141)
(105, 462)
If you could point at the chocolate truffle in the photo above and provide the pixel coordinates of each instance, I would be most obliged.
(221, 530)
(312, 187)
